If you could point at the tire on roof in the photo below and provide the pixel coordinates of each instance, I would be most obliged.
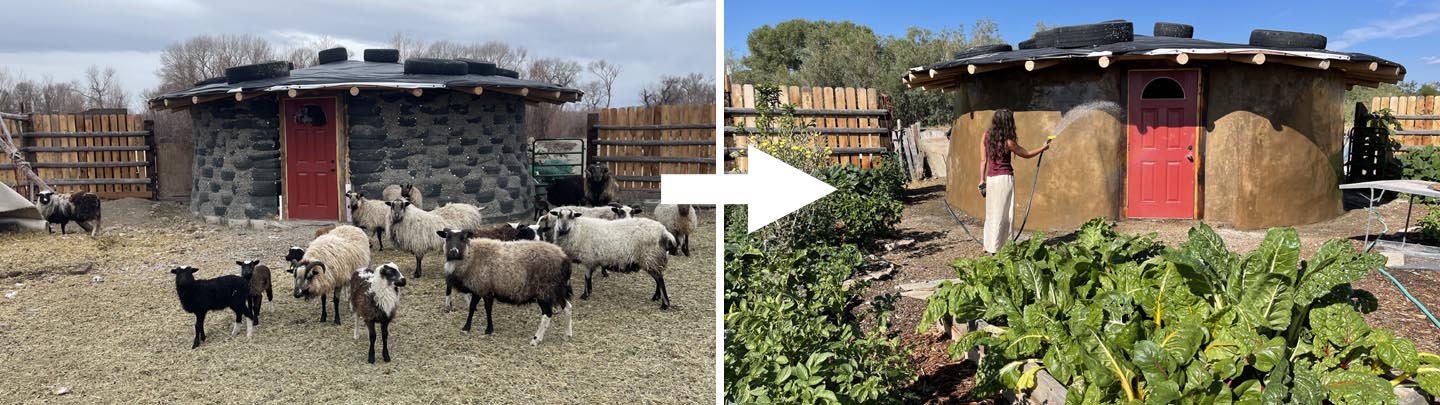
(333, 55)
(507, 73)
(1042, 39)
(983, 49)
(1287, 39)
(382, 55)
(1026, 44)
(1086, 35)
(213, 80)
(479, 67)
(258, 71)
(433, 66)
(1174, 30)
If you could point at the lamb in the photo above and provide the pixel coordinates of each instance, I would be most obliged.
(517, 273)
(328, 263)
(463, 216)
(626, 245)
(374, 296)
(257, 277)
(81, 207)
(680, 220)
(370, 215)
(503, 232)
(296, 253)
(202, 296)
(408, 191)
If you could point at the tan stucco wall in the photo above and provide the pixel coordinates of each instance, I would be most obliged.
(1270, 152)
(1272, 145)
(1083, 173)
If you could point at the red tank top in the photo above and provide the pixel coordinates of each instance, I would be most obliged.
(996, 167)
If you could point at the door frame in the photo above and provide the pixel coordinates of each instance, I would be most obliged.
(1198, 193)
(342, 158)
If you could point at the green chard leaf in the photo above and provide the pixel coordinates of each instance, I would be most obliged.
(1335, 264)
(1355, 387)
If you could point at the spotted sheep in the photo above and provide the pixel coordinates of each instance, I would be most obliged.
(61, 208)
(374, 297)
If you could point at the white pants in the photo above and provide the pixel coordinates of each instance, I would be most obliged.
(999, 210)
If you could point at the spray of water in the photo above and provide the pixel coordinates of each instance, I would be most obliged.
(1084, 109)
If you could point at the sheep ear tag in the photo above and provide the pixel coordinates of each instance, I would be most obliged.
(771, 189)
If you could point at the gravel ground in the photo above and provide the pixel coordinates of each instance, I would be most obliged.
(938, 242)
(97, 319)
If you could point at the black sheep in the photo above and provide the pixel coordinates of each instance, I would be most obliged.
(81, 207)
(201, 296)
(565, 191)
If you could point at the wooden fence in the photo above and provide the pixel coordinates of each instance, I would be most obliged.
(1418, 119)
(639, 143)
(852, 121)
(110, 155)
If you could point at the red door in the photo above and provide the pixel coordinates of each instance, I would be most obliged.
(1164, 109)
(311, 188)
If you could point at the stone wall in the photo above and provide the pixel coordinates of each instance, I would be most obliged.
(237, 159)
(455, 147)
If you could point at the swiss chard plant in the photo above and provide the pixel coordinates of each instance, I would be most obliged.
(1118, 318)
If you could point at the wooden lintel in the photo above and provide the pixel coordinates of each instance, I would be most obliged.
(1256, 59)
(518, 91)
(977, 69)
(206, 99)
(1033, 65)
(1321, 64)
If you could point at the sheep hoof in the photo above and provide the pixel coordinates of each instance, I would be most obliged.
(372, 360)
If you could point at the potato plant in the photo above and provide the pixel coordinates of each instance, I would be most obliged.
(1121, 318)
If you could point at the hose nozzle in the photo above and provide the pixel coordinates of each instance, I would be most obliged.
(1051, 137)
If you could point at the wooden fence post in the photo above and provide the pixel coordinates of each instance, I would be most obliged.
(592, 135)
(151, 161)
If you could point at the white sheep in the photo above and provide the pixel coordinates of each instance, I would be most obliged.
(680, 220)
(370, 215)
(462, 216)
(625, 245)
(328, 263)
(407, 191)
(413, 230)
(612, 211)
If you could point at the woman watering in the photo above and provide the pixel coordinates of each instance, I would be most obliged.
(998, 181)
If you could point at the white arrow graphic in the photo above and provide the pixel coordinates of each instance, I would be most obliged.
(772, 189)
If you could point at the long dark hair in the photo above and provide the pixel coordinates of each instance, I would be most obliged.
(1002, 129)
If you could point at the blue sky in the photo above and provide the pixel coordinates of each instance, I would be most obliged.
(1407, 32)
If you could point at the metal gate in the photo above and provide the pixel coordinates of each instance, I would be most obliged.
(550, 159)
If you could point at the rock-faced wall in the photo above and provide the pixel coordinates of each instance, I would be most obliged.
(455, 147)
(237, 159)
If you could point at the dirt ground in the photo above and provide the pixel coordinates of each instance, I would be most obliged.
(99, 318)
(939, 241)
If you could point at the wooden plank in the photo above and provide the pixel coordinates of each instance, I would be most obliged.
(814, 112)
(652, 159)
(823, 130)
(89, 182)
(6, 164)
(72, 150)
(691, 141)
(828, 101)
(866, 141)
(655, 127)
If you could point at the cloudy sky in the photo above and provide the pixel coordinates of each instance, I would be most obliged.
(648, 38)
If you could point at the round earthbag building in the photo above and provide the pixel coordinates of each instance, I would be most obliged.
(276, 143)
(1165, 127)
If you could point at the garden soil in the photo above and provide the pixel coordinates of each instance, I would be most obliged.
(938, 241)
(96, 320)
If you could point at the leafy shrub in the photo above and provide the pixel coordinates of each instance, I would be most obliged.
(789, 337)
(1121, 319)
(1421, 164)
(1430, 224)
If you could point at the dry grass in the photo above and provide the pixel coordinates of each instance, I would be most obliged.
(125, 338)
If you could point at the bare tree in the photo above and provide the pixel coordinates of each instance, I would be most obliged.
(693, 88)
(103, 89)
(408, 45)
(560, 72)
(199, 58)
(605, 74)
(594, 95)
(307, 52)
